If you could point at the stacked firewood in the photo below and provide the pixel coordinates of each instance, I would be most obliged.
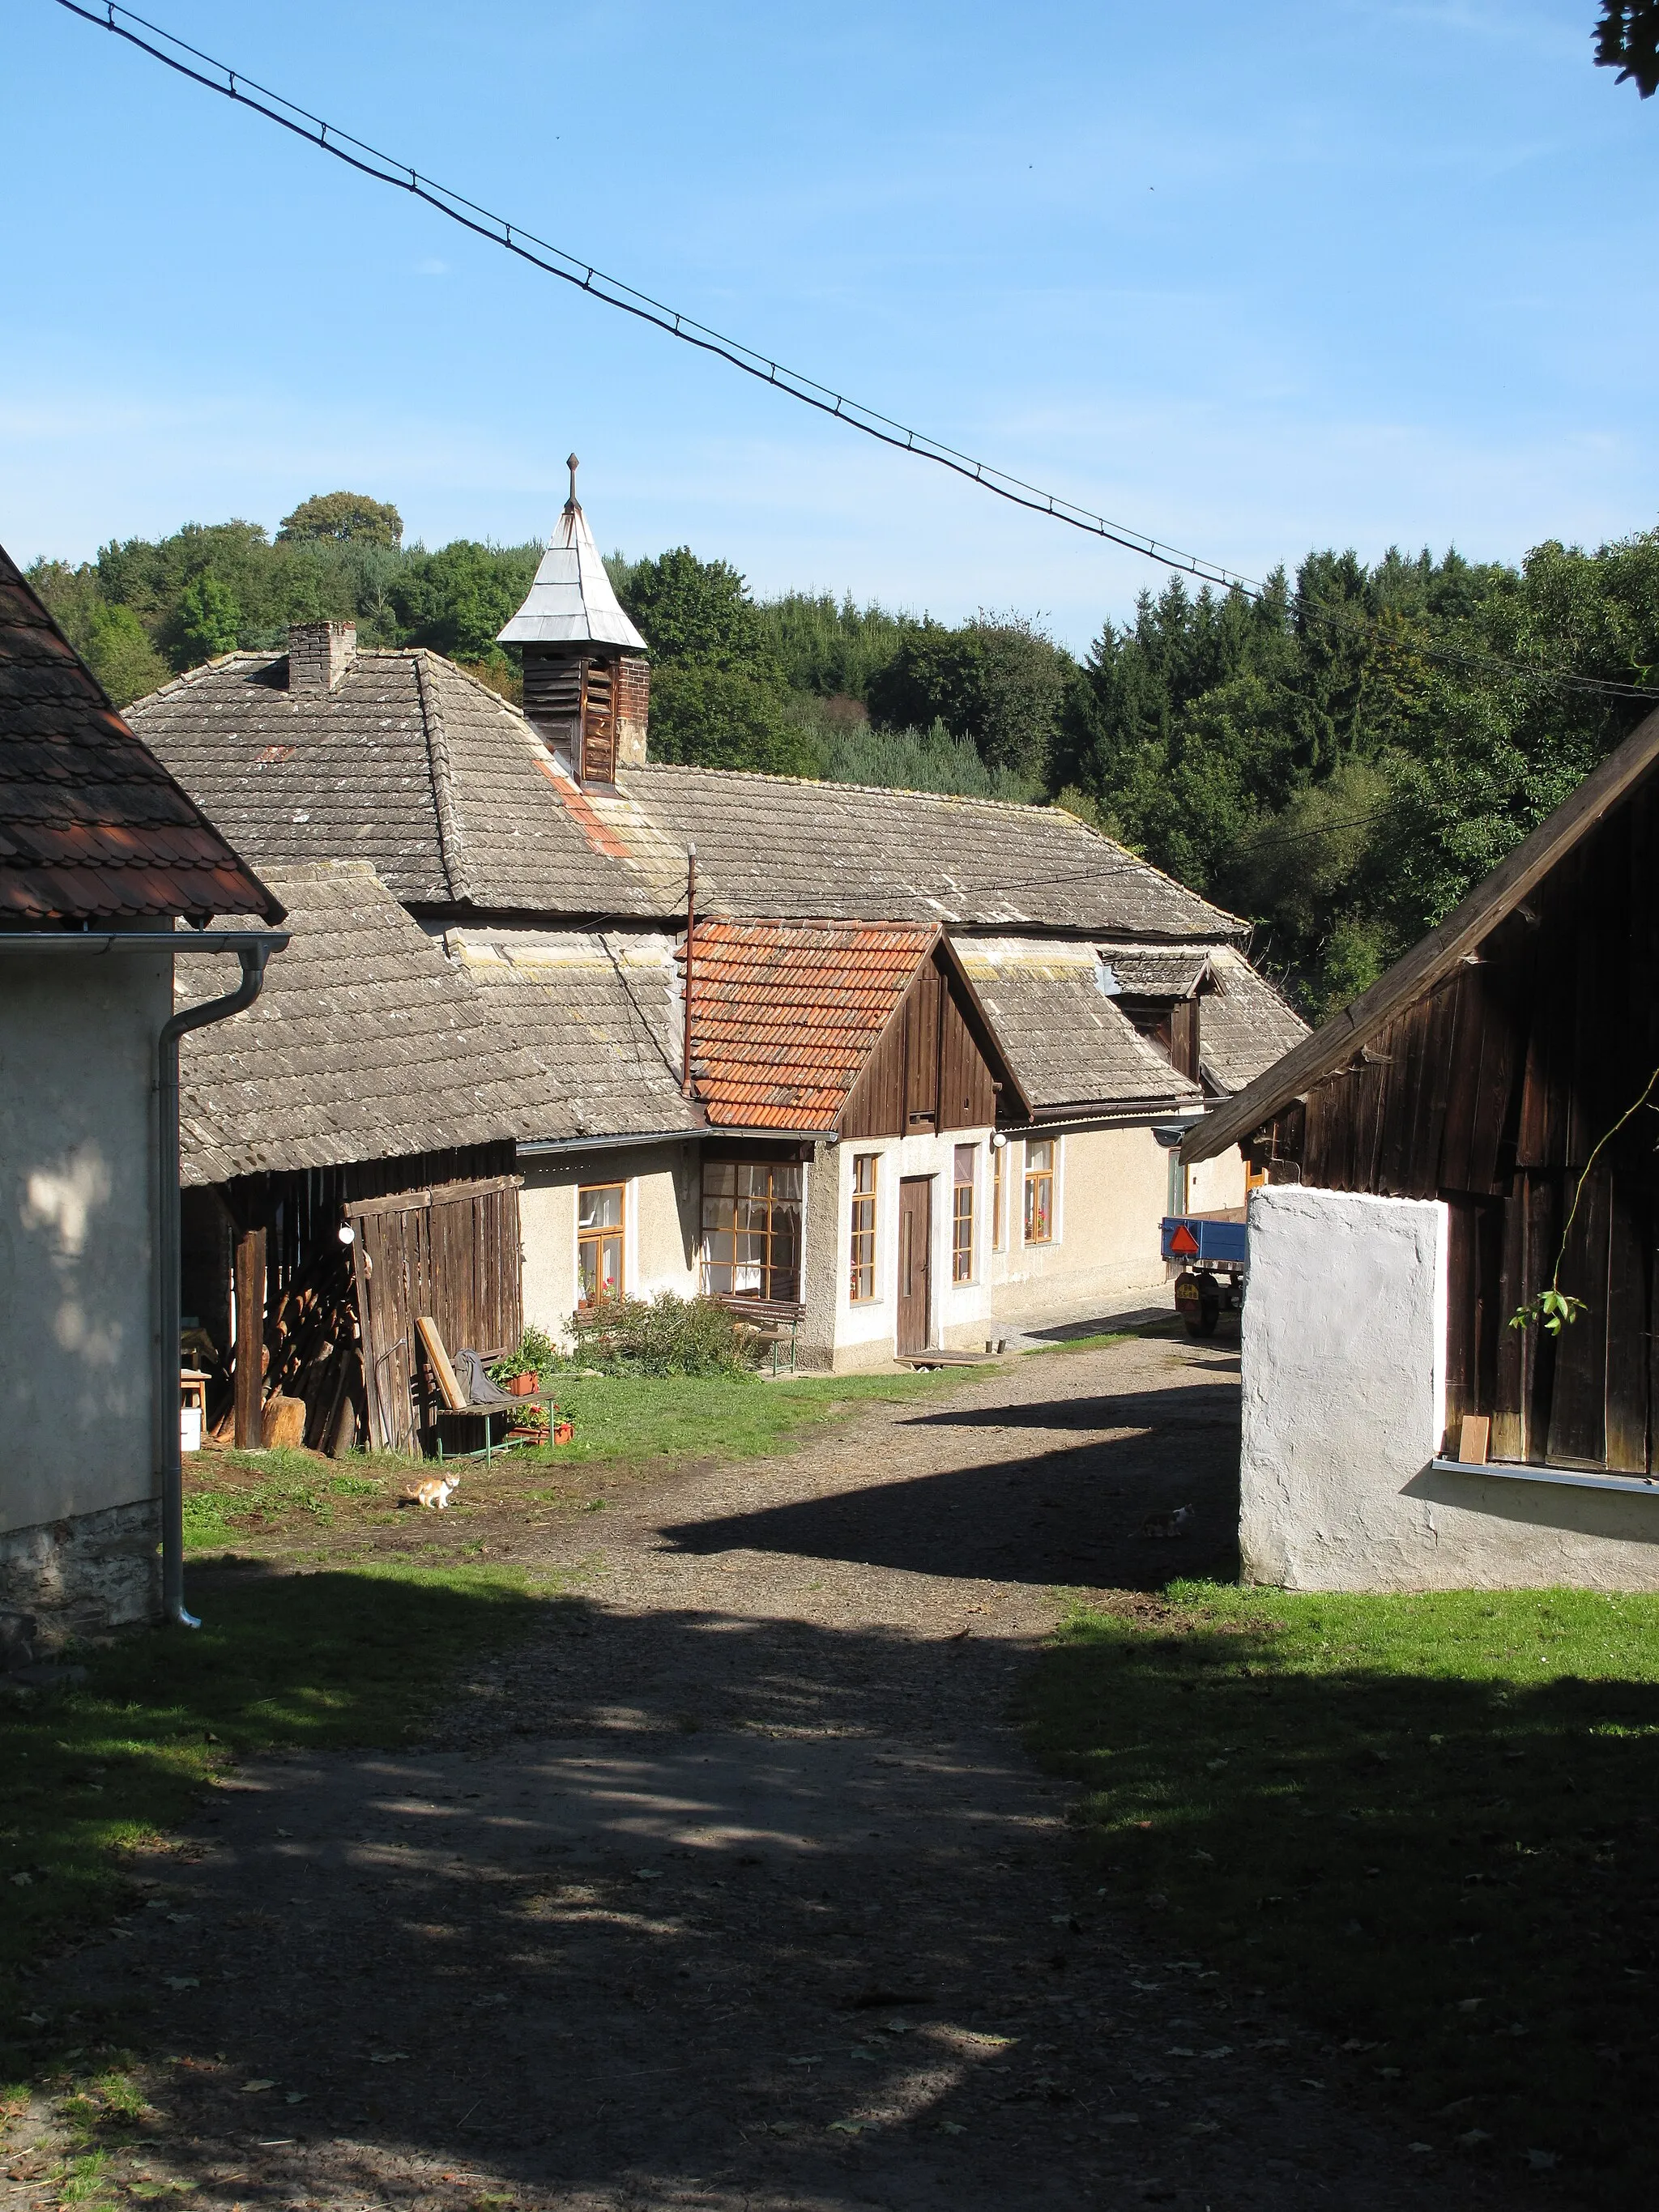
(312, 1352)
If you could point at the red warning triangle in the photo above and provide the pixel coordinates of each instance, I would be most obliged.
(1183, 1245)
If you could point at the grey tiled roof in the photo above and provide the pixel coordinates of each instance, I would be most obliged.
(408, 763)
(604, 1010)
(1243, 1025)
(450, 792)
(366, 1043)
(1066, 1042)
(783, 848)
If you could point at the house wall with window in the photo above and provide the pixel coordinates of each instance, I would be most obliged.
(1108, 1191)
(567, 1209)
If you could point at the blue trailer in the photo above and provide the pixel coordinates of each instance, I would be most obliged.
(1213, 1251)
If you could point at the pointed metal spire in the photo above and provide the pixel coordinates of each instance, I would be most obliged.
(571, 601)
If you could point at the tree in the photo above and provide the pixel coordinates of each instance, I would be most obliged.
(350, 517)
(208, 620)
(695, 611)
(724, 718)
(1628, 39)
(458, 600)
(120, 654)
(997, 681)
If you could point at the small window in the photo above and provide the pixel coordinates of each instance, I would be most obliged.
(1040, 1191)
(998, 1153)
(962, 1216)
(600, 1212)
(751, 1230)
(864, 1228)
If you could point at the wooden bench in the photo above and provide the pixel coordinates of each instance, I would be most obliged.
(457, 1406)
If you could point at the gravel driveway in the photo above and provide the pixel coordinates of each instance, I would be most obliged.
(732, 1889)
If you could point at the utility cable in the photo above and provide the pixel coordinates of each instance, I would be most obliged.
(573, 269)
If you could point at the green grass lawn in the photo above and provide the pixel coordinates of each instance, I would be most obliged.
(97, 1770)
(622, 1422)
(1430, 1824)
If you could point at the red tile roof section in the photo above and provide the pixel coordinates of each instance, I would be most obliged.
(92, 826)
(784, 1015)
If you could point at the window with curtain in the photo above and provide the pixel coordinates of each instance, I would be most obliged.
(962, 1215)
(600, 1211)
(864, 1228)
(751, 1230)
(1040, 1191)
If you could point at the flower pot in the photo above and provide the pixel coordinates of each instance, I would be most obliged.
(562, 1432)
(521, 1386)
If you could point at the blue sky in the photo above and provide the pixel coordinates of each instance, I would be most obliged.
(1248, 278)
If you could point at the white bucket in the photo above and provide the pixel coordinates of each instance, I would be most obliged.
(190, 1428)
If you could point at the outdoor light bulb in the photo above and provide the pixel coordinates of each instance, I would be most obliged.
(348, 1234)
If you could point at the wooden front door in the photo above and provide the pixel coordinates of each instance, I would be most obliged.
(915, 1263)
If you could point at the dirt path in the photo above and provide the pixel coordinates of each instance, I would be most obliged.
(733, 1889)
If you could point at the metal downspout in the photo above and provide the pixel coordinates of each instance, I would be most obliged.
(165, 1380)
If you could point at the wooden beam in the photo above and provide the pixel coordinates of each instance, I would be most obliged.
(250, 1338)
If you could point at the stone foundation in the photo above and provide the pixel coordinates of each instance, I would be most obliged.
(86, 1575)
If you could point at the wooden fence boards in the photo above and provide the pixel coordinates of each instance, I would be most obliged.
(452, 1252)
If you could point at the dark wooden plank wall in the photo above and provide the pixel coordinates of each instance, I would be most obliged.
(453, 1252)
(1491, 1093)
(928, 1071)
(299, 1215)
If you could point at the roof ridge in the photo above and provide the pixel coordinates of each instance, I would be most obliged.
(451, 849)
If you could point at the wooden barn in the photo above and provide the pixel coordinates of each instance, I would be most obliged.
(348, 1161)
(1505, 1072)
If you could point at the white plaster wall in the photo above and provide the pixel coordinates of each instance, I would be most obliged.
(77, 1182)
(1215, 1185)
(1344, 1372)
(662, 1224)
(1111, 1186)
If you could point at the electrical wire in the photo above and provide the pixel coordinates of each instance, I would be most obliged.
(573, 269)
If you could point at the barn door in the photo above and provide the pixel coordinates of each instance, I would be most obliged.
(452, 1252)
(915, 1245)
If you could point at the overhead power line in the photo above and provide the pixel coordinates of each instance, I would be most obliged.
(188, 61)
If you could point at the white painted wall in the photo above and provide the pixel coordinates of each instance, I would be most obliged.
(1344, 1372)
(662, 1226)
(77, 1183)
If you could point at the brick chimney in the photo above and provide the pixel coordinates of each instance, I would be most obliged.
(319, 653)
(633, 709)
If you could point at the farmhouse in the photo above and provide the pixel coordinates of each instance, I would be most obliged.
(940, 1049)
(1476, 1130)
(101, 854)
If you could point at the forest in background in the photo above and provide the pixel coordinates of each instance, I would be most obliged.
(1337, 760)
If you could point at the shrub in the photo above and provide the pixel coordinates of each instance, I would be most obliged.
(536, 1354)
(667, 1336)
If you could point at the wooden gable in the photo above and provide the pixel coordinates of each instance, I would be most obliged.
(936, 1065)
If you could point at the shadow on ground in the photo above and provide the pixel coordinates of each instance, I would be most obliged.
(724, 1913)
(1071, 1513)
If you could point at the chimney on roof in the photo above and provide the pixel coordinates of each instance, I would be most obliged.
(586, 681)
(319, 653)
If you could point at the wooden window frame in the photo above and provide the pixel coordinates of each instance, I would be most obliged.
(861, 1275)
(597, 1237)
(1038, 1182)
(772, 1217)
(962, 1211)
